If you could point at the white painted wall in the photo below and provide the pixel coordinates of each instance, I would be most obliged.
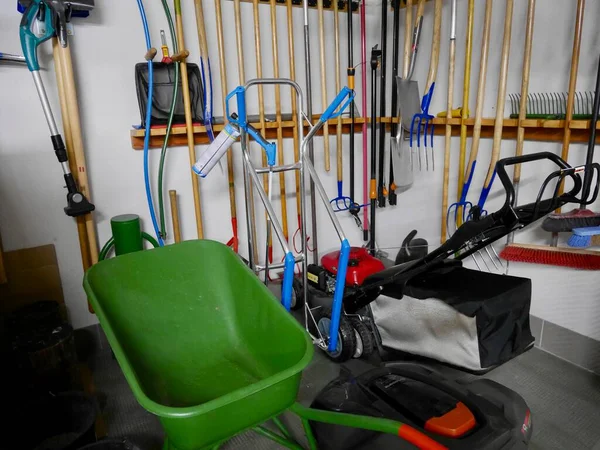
(108, 44)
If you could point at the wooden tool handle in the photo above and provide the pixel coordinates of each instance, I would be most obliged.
(573, 78)
(524, 87)
(290, 25)
(201, 29)
(223, 76)
(465, 104)
(483, 63)
(68, 136)
(338, 82)
(497, 142)
(175, 215)
(435, 45)
(189, 125)
(448, 138)
(420, 11)
(324, 98)
(408, 29)
(280, 151)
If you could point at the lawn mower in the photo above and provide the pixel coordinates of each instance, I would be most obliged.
(366, 279)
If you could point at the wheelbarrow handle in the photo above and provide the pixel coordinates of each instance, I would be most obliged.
(402, 430)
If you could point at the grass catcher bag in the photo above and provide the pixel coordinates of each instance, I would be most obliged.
(164, 80)
(467, 318)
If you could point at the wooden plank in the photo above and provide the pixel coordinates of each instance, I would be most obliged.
(550, 130)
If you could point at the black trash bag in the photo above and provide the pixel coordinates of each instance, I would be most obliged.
(164, 79)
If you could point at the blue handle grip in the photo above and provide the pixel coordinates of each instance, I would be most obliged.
(269, 147)
(338, 295)
(240, 93)
(337, 101)
(427, 99)
(485, 192)
(29, 41)
(288, 278)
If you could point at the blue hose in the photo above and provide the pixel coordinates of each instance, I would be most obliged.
(148, 120)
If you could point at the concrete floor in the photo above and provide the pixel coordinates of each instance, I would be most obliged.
(564, 400)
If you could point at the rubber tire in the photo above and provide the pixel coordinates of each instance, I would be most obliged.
(346, 338)
(366, 337)
(297, 294)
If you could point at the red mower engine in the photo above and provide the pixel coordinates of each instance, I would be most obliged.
(360, 266)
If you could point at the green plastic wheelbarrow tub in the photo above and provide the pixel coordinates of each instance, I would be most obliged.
(204, 345)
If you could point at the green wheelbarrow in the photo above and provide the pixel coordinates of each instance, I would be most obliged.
(207, 348)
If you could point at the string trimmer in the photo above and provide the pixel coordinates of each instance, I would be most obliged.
(77, 203)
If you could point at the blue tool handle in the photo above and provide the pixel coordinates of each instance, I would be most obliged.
(240, 119)
(427, 99)
(269, 147)
(467, 183)
(288, 279)
(330, 112)
(29, 41)
(338, 296)
(485, 192)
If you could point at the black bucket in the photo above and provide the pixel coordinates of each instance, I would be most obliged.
(62, 422)
(111, 444)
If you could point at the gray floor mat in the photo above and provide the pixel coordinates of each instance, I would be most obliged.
(564, 400)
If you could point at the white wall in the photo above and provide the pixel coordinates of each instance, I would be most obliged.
(110, 42)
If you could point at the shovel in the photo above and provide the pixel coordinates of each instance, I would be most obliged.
(409, 104)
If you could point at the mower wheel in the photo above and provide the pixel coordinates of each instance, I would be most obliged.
(365, 341)
(346, 345)
(297, 294)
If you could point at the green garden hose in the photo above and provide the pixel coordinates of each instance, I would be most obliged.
(163, 153)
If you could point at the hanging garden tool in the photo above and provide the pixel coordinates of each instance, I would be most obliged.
(375, 59)
(365, 152)
(280, 154)
(354, 208)
(205, 70)
(392, 197)
(341, 202)
(523, 99)
(580, 217)
(189, 126)
(233, 242)
(448, 135)
(419, 121)
(252, 241)
(499, 121)
(430, 86)
(311, 150)
(263, 128)
(408, 93)
(477, 211)
(77, 203)
(290, 27)
(381, 185)
(462, 207)
(323, 81)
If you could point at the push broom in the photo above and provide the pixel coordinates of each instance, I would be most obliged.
(555, 256)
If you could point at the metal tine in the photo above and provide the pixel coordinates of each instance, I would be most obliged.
(512, 103)
(546, 104)
(529, 108)
(590, 102)
(533, 104)
(556, 103)
(537, 104)
(578, 104)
